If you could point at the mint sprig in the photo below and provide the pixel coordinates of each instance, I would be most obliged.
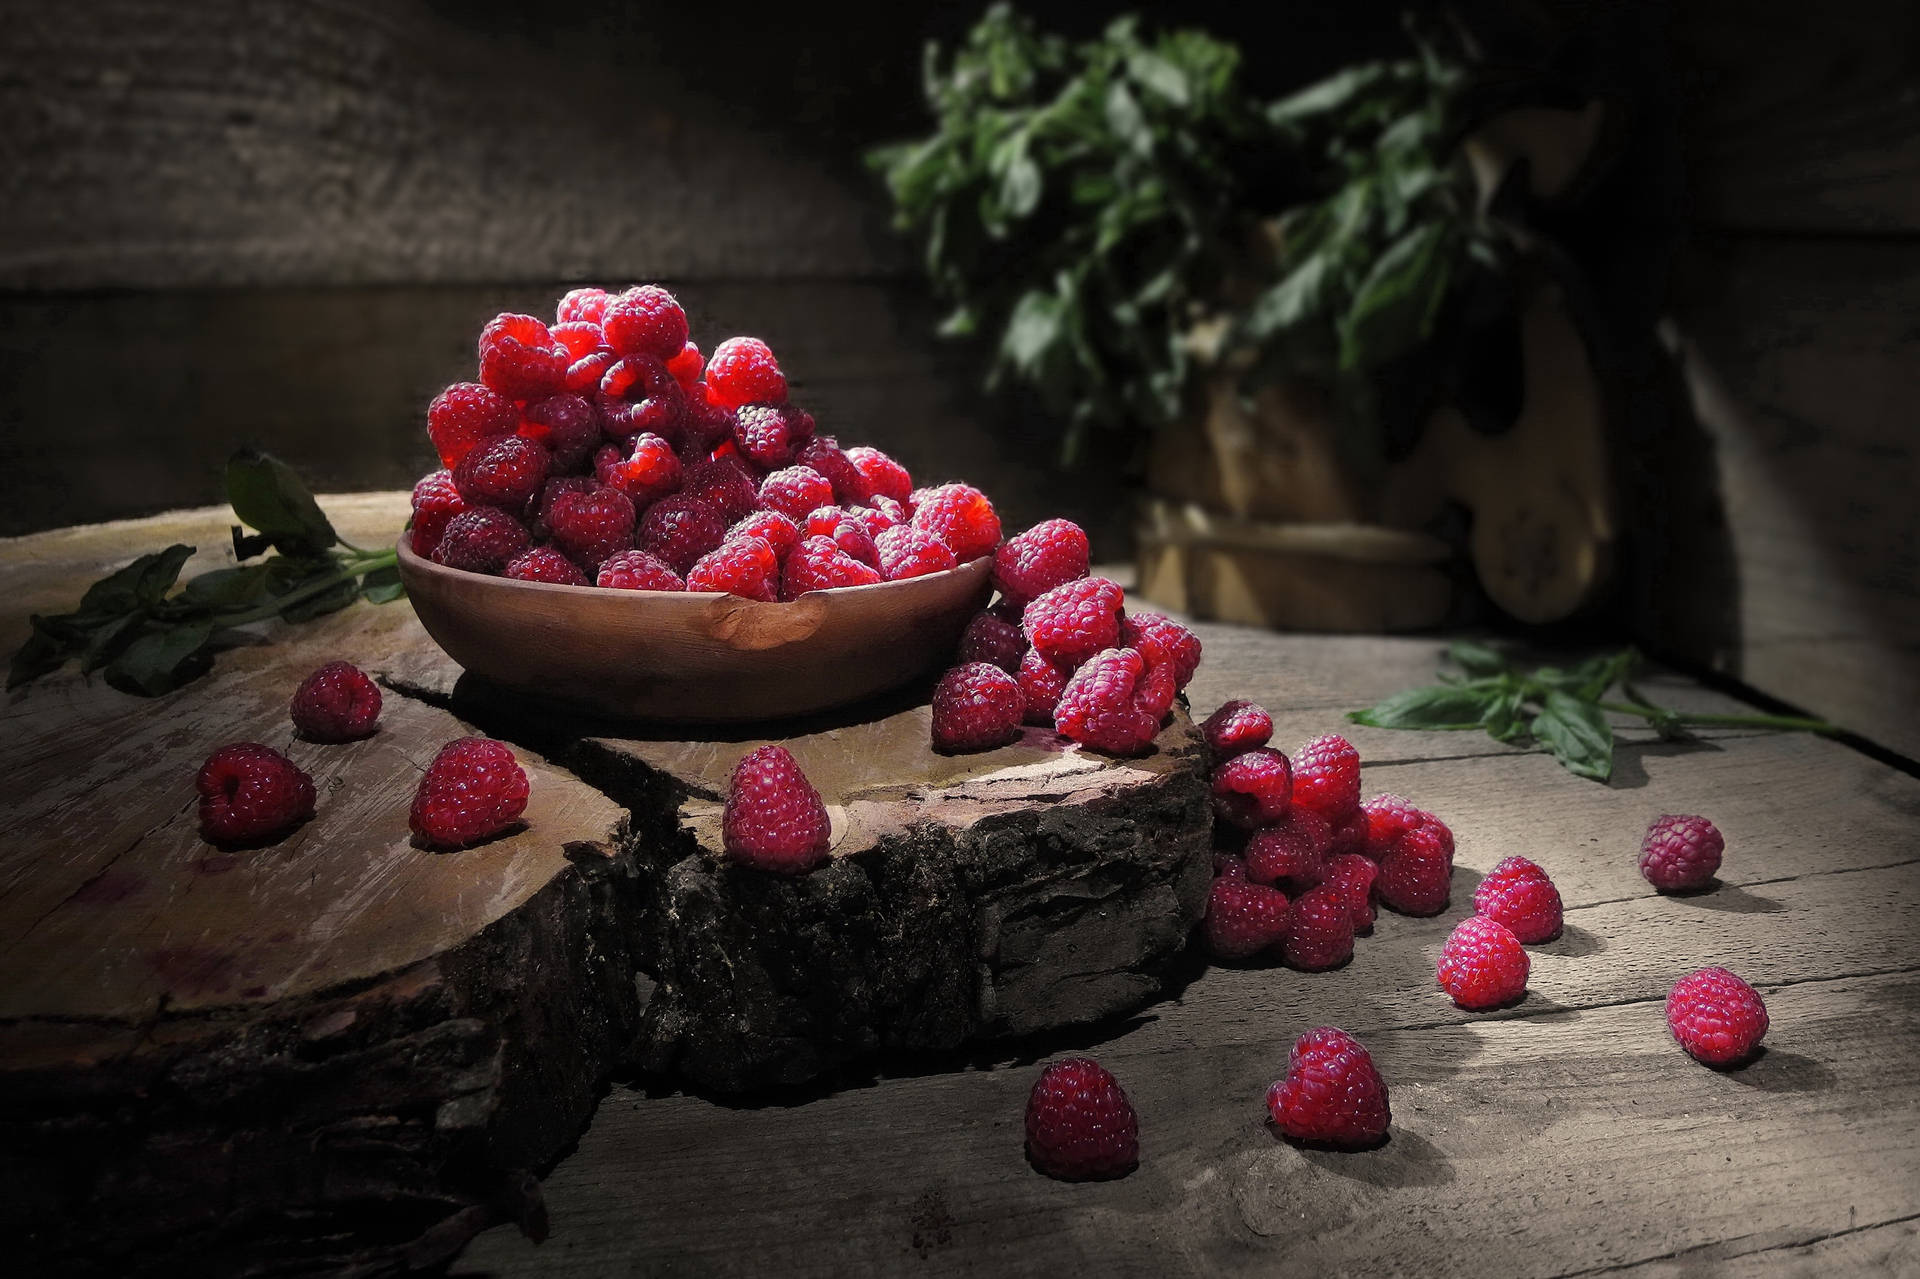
(1563, 709)
(149, 638)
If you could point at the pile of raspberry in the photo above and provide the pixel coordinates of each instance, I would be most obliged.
(605, 450)
(1059, 649)
(1300, 859)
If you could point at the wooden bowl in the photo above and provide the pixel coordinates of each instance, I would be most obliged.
(694, 657)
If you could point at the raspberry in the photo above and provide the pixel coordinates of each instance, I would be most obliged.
(473, 790)
(1253, 788)
(1227, 866)
(1074, 620)
(837, 527)
(1388, 818)
(775, 529)
(578, 338)
(250, 793)
(481, 541)
(1080, 1125)
(724, 485)
(1156, 691)
(705, 425)
(823, 454)
(989, 638)
(774, 818)
(465, 414)
(541, 524)
(638, 571)
(1041, 683)
(796, 491)
(880, 475)
(1518, 893)
(435, 501)
(584, 374)
(582, 305)
(1293, 848)
(680, 529)
(1332, 1093)
(1326, 777)
(1319, 930)
(743, 371)
(638, 394)
(567, 425)
(877, 519)
(962, 517)
(337, 703)
(766, 434)
(910, 552)
(1718, 1018)
(748, 568)
(1349, 836)
(976, 707)
(544, 564)
(1352, 876)
(1681, 853)
(1416, 874)
(1161, 639)
(1238, 726)
(506, 473)
(645, 320)
(687, 366)
(520, 359)
(1108, 705)
(1482, 965)
(591, 526)
(1030, 564)
(649, 471)
(1242, 918)
(816, 564)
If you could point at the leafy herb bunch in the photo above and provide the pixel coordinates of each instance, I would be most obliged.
(1094, 207)
(1562, 708)
(150, 639)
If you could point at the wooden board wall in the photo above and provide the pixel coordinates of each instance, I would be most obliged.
(1793, 317)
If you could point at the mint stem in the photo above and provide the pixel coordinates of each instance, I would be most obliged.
(365, 563)
(1792, 723)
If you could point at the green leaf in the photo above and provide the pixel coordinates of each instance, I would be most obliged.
(1476, 659)
(161, 660)
(1395, 307)
(43, 653)
(141, 584)
(1329, 96)
(1033, 329)
(1295, 300)
(223, 589)
(1151, 71)
(1126, 120)
(1019, 177)
(1436, 706)
(382, 586)
(268, 495)
(1578, 734)
(961, 322)
(107, 642)
(331, 600)
(1504, 717)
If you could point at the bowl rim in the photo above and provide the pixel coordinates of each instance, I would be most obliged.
(409, 559)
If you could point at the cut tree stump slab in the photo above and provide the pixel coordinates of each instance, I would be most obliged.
(1000, 893)
(344, 1051)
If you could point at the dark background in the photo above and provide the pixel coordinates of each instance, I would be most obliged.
(285, 223)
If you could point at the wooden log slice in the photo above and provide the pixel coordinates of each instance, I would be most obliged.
(1002, 893)
(339, 1050)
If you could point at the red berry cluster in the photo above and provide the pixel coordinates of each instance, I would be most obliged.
(1302, 859)
(1057, 649)
(603, 449)
(251, 794)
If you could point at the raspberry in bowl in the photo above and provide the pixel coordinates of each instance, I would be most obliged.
(672, 548)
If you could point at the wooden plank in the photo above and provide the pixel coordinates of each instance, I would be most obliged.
(1890, 1249)
(1800, 361)
(1791, 125)
(1599, 1143)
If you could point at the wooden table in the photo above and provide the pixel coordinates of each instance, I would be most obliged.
(1567, 1135)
